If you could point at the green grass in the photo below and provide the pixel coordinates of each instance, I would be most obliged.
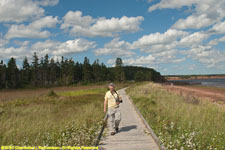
(71, 119)
(80, 92)
(178, 123)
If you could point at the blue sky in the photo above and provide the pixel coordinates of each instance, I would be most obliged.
(171, 36)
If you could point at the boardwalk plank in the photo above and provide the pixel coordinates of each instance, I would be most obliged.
(133, 134)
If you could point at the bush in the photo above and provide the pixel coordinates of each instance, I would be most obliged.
(52, 93)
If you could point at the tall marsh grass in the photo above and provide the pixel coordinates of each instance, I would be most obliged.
(180, 124)
(70, 118)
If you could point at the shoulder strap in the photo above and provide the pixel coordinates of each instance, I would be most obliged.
(116, 94)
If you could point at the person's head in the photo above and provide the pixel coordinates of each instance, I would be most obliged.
(111, 87)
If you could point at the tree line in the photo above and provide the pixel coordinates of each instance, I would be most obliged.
(48, 72)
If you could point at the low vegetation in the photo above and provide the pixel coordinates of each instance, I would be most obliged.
(180, 123)
(54, 119)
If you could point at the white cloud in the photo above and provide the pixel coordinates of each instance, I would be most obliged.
(79, 25)
(74, 46)
(205, 13)
(116, 48)
(178, 60)
(193, 22)
(217, 41)
(47, 2)
(75, 18)
(59, 49)
(33, 30)
(21, 43)
(171, 4)
(206, 55)
(153, 59)
(53, 48)
(156, 42)
(168, 56)
(22, 10)
(141, 60)
(157, 38)
(17, 53)
(3, 42)
(195, 38)
(161, 47)
(218, 28)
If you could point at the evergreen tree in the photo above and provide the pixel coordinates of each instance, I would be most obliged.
(148, 76)
(52, 72)
(119, 73)
(46, 70)
(77, 75)
(12, 74)
(139, 76)
(70, 71)
(2, 75)
(49, 72)
(87, 71)
(35, 70)
(26, 72)
(104, 72)
(97, 71)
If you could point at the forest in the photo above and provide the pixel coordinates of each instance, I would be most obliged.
(45, 72)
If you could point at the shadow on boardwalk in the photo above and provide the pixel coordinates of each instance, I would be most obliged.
(128, 128)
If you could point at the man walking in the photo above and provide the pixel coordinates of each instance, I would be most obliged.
(113, 100)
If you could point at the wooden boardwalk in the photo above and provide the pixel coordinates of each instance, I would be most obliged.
(133, 134)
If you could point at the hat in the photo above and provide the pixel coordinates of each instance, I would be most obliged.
(111, 84)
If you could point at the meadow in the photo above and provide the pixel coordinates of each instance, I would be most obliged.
(179, 122)
(71, 116)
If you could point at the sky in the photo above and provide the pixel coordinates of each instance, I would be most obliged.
(175, 37)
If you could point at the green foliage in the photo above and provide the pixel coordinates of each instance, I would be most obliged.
(149, 74)
(118, 71)
(52, 93)
(139, 76)
(12, 76)
(143, 76)
(45, 72)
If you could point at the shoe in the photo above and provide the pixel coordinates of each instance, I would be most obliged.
(113, 133)
(117, 129)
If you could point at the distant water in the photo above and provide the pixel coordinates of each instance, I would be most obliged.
(206, 82)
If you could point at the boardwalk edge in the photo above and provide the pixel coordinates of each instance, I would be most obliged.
(101, 131)
(156, 139)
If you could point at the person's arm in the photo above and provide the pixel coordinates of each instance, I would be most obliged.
(119, 96)
(105, 104)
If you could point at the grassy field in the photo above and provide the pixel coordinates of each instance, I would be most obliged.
(71, 117)
(178, 122)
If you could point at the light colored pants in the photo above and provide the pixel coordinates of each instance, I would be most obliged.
(114, 115)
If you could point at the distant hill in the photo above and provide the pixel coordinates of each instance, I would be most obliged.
(138, 73)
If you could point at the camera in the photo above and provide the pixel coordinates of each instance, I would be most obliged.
(119, 100)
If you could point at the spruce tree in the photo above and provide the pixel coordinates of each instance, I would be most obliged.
(2, 75)
(35, 70)
(26, 72)
(118, 71)
(87, 71)
(12, 73)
